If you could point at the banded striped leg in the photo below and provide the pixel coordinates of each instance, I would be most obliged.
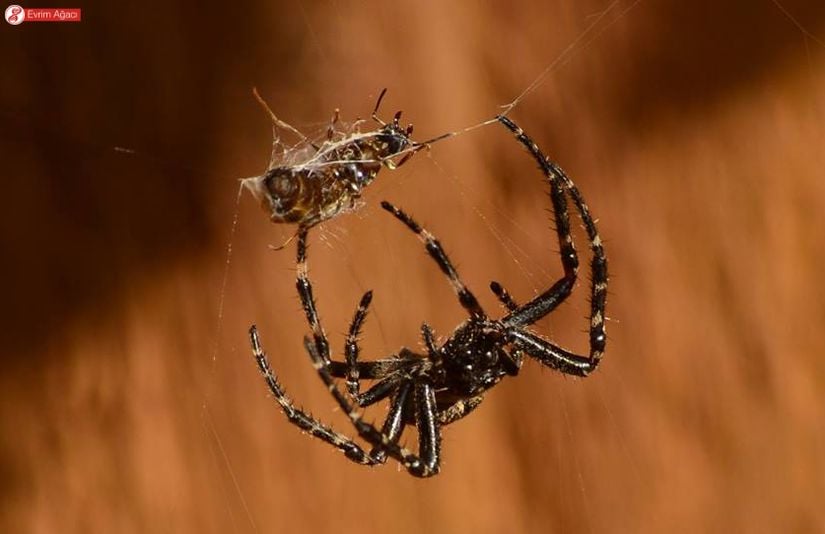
(389, 379)
(304, 287)
(548, 353)
(465, 296)
(598, 270)
(429, 435)
(394, 383)
(351, 369)
(384, 370)
(298, 417)
(351, 349)
(545, 303)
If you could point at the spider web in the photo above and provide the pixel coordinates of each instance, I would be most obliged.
(78, 422)
(302, 153)
(292, 147)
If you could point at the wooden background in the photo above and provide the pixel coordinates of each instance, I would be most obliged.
(129, 400)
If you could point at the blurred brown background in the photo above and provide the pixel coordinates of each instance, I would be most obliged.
(129, 398)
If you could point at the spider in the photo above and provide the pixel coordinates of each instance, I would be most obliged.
(448, 381)
(330, 178)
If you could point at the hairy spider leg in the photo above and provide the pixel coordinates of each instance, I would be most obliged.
(434, 249)
(546, 302)
(304, 287)
(351, 370)
(395, 382)
(391, 382)
(540, 306)
(383, 370)
(394, 423)
(399, 384)
(298, 417)
(351, 348)
(429, 435)
(384, 441)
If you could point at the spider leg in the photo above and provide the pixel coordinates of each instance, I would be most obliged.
(546, 302)
(298, 417)
(429, 432)
(380, 391)
(351, 346)
(465, 296)
(551, 355)
(598, 269)
(304, 287)
(372, 370)
(543, 304)
(388, 384)
(396, 384)
(394, 423)
(429, 435)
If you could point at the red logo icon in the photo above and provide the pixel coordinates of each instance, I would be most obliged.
(15, 14)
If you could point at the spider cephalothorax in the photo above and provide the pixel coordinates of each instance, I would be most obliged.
(447, 382)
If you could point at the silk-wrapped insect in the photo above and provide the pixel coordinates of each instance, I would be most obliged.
(318, 182)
